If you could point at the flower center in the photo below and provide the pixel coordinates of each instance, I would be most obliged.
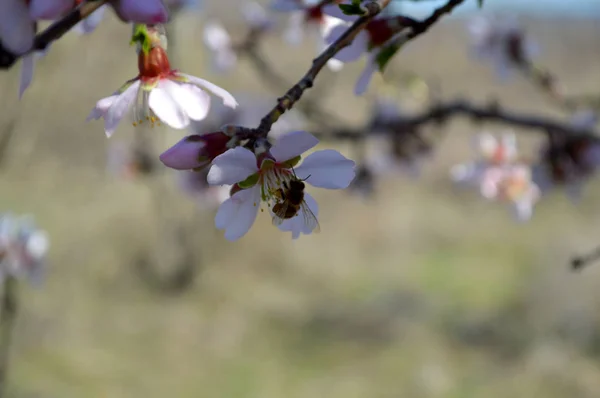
(153, 64)
(141, 110)
(272, 180)
(314, 14)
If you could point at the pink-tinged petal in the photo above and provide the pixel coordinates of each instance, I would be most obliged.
(286, 5)
(119, 108)
(293, 144)
(27, 68)
(90, 24)
(194, 101)
(101, 108)
(49, 9)
(142, 11)
(362, 84)
(237, 214)
(162, 101)
(16, 27)
(298, 224)
(227, 98)
(327, 169)
(355, 50)
(231, 167)
(184, 155)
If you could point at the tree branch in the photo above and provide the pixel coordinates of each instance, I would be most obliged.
(52, 32)
(295, 93)
(439, 113)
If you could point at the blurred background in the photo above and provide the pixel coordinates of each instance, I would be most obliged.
(420, 290)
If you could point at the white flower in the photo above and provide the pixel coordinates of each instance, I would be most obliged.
(263, 179)
(159, 93)
(23, 248)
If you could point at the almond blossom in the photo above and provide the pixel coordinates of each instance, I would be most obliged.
(23, 248)
(311, 17)
(260, 178)
(158, 93)
(369, 41)
(500, 175)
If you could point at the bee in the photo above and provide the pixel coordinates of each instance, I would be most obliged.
(290, 201)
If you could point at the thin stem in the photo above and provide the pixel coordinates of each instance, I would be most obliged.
(53, 32)
(8, 313)
(295, 93)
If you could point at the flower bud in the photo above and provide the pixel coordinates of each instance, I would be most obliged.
(195, 151)
(49, 9)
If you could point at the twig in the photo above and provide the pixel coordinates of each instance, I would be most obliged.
(52, 32)
(295, 93)
(8, 312)
(579, 262)
(439, 113)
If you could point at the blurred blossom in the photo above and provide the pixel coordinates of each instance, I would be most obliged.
(89, 24)
(308, 16)
(364, 182)
(369, 41)
(499, 174)
(257, 17)
(218, 41)
(158, 93)
(23, 248)
(502, 41)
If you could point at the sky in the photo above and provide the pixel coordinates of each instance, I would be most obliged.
(571, 8)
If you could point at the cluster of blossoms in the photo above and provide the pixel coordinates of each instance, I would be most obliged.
(499, 174)
(23, 248)
(264, 175)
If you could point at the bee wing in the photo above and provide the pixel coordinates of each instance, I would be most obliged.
(279, 215)
(310, 220)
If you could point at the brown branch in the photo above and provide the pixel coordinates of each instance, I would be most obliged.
(294, 94)
(440, 113)
(52, 32)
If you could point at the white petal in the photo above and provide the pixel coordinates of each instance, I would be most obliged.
(293, 144)
(164, 104)
(237, 214)
(232, 167)
(227, 98)
(89, 24)
(365, 78)
(27, 68)
(101, 107)
(355, 50)
(16, 27)
(327, 169)
(193, 100)
(119, 107)
(298, 224)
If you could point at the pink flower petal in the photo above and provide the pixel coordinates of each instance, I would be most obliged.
(16, 27)
(232, 167)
